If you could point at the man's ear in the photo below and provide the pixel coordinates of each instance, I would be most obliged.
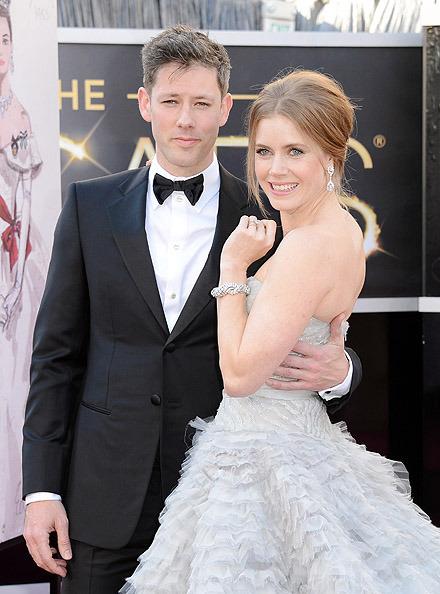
(144, 103)
(227, 103)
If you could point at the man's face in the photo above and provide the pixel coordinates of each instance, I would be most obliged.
(186, 110)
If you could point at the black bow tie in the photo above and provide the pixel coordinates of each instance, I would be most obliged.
(192, 187)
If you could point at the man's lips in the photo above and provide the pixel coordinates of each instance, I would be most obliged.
(186, 141)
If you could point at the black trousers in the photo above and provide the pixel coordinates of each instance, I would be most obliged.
(93, 570)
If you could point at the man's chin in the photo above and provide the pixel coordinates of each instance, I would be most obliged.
(187, 163)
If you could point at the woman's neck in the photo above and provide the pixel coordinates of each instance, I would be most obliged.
(310, 214)
(5, 85)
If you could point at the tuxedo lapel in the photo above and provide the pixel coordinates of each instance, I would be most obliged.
(127, 219)
(232, 203)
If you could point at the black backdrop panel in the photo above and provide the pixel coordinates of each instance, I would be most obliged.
(385, 82)
(432, 160)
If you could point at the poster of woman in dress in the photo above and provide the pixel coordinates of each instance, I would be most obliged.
(29, 204)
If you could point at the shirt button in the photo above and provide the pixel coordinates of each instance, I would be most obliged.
(155, 399)
(176, 246)
(173, 295)
(179, 199)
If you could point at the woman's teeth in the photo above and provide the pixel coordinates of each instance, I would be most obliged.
(284, 187)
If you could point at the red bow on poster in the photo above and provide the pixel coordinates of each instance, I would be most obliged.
(10, 234)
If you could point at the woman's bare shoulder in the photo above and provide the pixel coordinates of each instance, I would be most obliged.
(309, 247)
(322, 245)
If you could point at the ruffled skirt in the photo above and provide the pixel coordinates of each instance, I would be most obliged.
(274, 499)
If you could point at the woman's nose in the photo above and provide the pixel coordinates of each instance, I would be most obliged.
(278, 166)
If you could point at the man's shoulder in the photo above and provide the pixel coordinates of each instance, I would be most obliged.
(226, 177)
(110, 182)
(233, 187)
(236, 185)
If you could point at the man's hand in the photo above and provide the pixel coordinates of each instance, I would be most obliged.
(314, 367)
(42, 518)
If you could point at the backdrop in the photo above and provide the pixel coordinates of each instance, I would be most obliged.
(102, 132)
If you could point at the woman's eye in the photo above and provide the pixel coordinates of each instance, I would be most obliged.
(262, 152)
(296, 152)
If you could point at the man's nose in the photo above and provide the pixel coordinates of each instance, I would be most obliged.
(185, 119)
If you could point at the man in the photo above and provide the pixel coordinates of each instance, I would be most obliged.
(125, 341)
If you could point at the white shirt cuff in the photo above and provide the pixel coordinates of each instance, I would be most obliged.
(342, 388)
(41, 496)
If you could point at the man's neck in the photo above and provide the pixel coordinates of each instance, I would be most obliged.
(183, 172)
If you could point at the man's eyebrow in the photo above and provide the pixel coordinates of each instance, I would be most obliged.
(209, 97)
(206, 97)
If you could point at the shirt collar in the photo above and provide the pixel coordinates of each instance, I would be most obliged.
(211, 182)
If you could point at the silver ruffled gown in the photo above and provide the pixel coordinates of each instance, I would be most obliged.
(275, 499)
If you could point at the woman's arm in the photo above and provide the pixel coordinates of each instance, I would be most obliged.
(251, 347)
(24, 216)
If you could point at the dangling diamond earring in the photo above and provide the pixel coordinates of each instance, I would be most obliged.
(11, 64)
(330, 184)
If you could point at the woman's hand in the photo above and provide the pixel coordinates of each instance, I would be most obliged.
(250, 241)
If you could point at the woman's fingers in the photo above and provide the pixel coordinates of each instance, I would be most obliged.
(271, 229)
(252, 224)
(261, 231)
(243, 223)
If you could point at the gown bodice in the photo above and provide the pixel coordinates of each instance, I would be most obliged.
(272, 409)
(316, 332)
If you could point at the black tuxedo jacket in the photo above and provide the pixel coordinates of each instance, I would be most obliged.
(108, 381)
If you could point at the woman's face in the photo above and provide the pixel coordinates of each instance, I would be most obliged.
(290, 167)
(5, 46)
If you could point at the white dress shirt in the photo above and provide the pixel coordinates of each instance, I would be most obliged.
(180, 236)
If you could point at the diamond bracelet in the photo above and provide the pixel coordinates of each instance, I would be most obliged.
(230, 289)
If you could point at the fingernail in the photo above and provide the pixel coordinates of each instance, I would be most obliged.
(67, 554)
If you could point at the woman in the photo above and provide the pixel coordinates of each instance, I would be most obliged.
(273, 498)
(19, 163)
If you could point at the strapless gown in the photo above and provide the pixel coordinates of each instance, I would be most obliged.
(275, 499)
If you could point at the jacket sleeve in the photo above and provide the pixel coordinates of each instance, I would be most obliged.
(58, 360)
(335, 404)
